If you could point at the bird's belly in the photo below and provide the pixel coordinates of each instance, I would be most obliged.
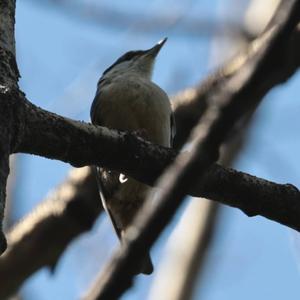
(141, 108)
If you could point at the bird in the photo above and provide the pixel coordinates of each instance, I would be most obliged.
(127, 99)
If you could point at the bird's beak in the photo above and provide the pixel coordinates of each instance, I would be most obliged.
(154, 50)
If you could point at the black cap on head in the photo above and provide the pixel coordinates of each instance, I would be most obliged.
(127, 56)
(131, 54)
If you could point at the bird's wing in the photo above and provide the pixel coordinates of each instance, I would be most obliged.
(101, 186)
(95, 111)
(108, 181)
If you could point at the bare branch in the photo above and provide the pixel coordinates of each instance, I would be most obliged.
(41, 238)
(253, 195)
(206, 137)
(81, 144)
(190, 104)
(186, 251)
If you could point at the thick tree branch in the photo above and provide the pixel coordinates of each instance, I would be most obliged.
(82, 144)
(9, 73)
(206, 137)
(137, 158)
(252, 195)
(8, 82)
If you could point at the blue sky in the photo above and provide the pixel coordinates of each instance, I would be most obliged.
(61, 55)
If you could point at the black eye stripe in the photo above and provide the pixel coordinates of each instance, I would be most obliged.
(127, 56)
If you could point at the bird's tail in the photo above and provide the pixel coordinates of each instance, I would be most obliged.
(146, 265)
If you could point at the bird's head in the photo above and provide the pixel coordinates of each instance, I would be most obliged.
(138, 62)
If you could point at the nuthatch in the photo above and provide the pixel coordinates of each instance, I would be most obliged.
(127, 99)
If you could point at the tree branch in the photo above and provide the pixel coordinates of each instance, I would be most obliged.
(9, 73)
(81, 144)
(252, 195)
(190, 104)
(186, 251)
(88, 144)
(41, 238)
(8, 82)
